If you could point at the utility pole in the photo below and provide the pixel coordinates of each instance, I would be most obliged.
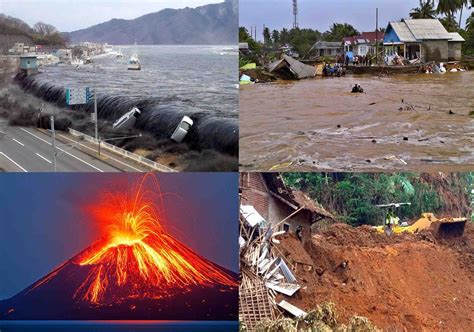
(264, 39)
(95, 116)
(377, 34)
(53, 137)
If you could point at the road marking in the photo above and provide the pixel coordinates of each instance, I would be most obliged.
(85, 162)
(43, 158)
(87, 147)
(18, 142)
(13, 161)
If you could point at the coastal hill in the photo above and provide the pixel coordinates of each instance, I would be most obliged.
(206, 25)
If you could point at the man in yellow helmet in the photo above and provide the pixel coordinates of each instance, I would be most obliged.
(391, 221)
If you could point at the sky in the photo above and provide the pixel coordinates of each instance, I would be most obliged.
(44, 222)
(71, 15)
(321, 14)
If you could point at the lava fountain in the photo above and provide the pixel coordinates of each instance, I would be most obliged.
(137, 258)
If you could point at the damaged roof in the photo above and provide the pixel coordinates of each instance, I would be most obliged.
(297, 68)
(294, 198)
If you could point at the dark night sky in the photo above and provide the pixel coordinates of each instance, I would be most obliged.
(43, 221)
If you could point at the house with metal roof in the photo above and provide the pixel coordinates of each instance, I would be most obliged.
(424, 39)
(363, 44)
(324, 48)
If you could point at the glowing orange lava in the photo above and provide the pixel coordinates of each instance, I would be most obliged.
(137, 258)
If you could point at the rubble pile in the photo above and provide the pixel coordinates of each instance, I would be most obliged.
(273, 264)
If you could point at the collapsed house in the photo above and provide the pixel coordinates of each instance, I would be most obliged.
(269, 209)
(290, 68)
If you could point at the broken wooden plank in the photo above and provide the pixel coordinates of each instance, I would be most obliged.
(284, 288)
(295, 311)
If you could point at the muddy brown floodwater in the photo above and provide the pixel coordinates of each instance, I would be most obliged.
(317, 124)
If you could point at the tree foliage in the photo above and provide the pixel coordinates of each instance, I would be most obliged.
(41, 33)
(354, 196)
(425, 10)
(338, 31)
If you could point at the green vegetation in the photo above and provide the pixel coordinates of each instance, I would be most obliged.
(324, 317)
(41, 33)
(468, 35)
(354, 196)
(425, 10)
(301, 40)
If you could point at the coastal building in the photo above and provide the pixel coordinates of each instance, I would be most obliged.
(19, 48)
(29, 64)
(324, 48)
(363, 44)
(424, 39)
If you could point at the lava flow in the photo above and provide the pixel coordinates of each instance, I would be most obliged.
(137, 258)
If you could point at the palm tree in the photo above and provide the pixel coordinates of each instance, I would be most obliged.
(426, 10)
(463, 3)
(450, 7)
(470, 23)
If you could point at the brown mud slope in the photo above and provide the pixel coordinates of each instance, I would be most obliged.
(408, 282)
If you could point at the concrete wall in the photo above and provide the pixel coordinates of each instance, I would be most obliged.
(455, 51)
(435, 50)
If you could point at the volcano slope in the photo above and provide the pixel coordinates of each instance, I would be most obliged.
(408, 282)
(137, 270)
(130, 281)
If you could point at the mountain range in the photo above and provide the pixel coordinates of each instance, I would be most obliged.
(213, 24)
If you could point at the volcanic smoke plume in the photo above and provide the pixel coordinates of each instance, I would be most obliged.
(136, 271)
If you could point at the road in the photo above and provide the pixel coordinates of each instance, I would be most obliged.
(30, 150)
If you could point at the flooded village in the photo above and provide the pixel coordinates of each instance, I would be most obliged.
(398, 97)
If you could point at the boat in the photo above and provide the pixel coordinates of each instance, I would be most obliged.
(119, 54)
(134, 62)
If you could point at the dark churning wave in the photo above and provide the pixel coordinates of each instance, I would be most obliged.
(208, 131)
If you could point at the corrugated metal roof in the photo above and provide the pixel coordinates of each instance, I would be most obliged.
(403, 32)
(427, 29)
(456, 37)
(325, 44)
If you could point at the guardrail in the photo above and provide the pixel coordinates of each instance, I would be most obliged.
(123, 152)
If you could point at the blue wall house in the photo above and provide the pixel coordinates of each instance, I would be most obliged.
(29, 64)
(424, 39)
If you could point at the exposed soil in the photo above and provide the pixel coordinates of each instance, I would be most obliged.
(408, 282)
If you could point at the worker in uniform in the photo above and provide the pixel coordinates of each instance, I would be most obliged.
(391, 221)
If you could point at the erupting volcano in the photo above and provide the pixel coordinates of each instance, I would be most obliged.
(135, 271)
